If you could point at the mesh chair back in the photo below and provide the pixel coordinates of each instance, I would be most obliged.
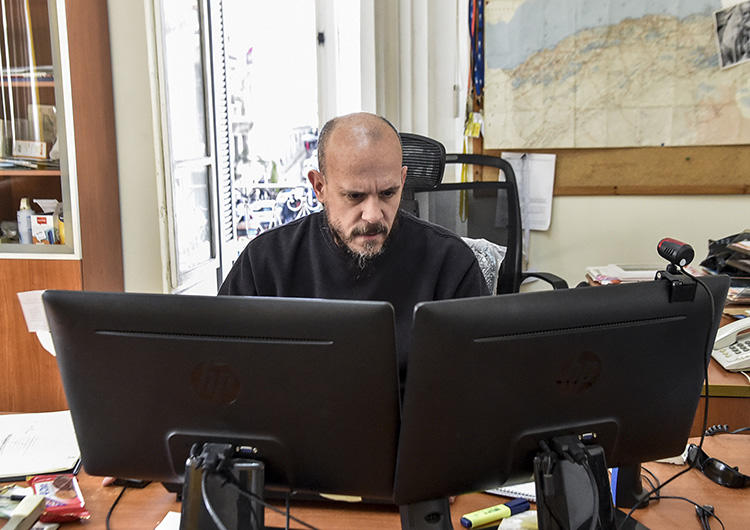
(494, 212)
(425, 162)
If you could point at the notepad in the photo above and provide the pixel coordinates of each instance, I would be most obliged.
(34, 444)
(525, 490)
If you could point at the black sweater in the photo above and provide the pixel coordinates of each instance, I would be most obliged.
(420, 262)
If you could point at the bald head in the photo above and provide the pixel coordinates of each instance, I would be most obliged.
(359, 130)
(359, 181)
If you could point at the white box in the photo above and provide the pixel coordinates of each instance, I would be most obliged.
(43, 229)
(30, 149)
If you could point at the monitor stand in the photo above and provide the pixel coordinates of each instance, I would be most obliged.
(434, 514)
(572, 486)
(212, 462)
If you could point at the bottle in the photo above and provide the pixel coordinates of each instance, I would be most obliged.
(23, 216)
(59, 223)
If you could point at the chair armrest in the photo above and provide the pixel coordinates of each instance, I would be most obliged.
(555, 281)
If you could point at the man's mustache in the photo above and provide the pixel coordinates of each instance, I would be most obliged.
(369, 230)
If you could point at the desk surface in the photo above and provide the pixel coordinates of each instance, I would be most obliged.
(722, 383)
(145, 508)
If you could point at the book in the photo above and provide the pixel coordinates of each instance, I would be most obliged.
(740, 246)
(37, 443)
(741, 264)
(525, 490)
(608, 274)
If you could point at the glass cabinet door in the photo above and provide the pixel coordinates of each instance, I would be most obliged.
(35, 206)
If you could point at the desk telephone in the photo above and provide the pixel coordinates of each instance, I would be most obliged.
(731, 353)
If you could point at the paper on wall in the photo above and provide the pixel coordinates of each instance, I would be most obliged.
(535, 176)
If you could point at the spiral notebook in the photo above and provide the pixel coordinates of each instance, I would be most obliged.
(526, 490)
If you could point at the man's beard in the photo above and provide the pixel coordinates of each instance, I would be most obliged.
(361, 257)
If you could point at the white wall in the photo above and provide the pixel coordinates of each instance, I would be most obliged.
(139, 161)
(625, 230)
(422, 67)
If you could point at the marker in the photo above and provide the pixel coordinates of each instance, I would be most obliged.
(494, 513)
(13, 497)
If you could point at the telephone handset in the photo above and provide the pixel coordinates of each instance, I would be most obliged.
(731, 353)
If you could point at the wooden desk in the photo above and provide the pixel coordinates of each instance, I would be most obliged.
(728, 397)
(143, 509)
(728, 400)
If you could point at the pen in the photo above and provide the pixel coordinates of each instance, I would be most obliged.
(494, 513)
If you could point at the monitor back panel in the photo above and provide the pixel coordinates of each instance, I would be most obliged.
(312, 384)
(621, 362)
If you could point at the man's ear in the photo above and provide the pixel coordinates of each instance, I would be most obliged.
(318, 183)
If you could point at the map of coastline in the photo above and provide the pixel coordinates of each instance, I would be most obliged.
(561, 73)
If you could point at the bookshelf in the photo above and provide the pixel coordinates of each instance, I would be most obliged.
(86, 183)
(33, 96)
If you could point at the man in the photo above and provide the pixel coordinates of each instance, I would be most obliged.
(361, 246)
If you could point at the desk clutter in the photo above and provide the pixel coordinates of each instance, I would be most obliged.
(47, 501)
(728, 255)
(42, 450)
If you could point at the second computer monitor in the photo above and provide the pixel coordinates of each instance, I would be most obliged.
(490, 377)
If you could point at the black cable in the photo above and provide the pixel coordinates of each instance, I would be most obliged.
(650, 482)
(227, 478)
(723, 429)
(677, 497)
(288, 510)
(707, 352)
(595, 519)
(112, 508)
(552, 513)
(658, 482)
(207, 503)
(549, 465)
(253, 496)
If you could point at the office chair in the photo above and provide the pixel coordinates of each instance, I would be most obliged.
(492, 209)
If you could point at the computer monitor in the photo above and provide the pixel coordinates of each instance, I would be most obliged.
(490, 378)
(312, 385)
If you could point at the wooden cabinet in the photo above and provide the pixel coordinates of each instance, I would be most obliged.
(87, 184)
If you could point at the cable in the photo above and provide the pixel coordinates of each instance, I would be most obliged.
(650, 482)
(707, 352)
(595, 519)
(252, 496)
(716, 429)
(207, 503)
(288, 510)
(723, 429)
(112, 508)
(654, 476)
(548, 464)
(701, 507)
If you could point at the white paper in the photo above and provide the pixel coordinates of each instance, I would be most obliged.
(33, 310)
(525, 490)
(36, 318)
(170, 522)
(47, 205)
(33, 444)
(535, 176)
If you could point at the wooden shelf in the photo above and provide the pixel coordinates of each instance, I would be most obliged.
(29, 172)
(15, 84)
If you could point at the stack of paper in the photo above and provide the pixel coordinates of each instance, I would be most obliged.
(607, 274)
(36, 444)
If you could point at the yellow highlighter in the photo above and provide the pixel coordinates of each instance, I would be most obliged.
(494, 513)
